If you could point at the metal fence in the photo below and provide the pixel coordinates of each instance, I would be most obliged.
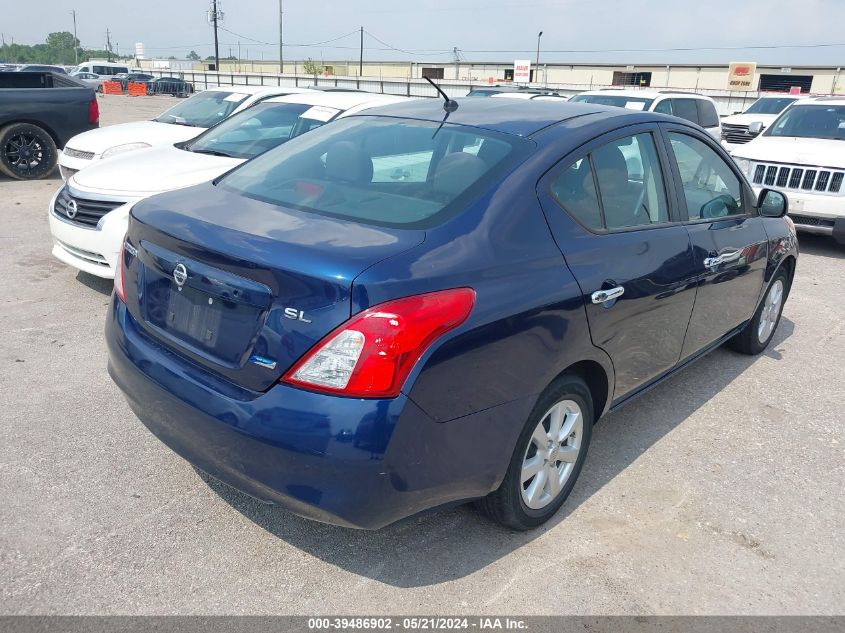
(726, 102)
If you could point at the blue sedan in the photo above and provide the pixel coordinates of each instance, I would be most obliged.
(432, 303)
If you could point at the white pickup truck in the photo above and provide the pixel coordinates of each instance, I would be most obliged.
(802, 154)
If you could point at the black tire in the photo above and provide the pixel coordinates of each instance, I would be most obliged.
(27, 152)
(506, 505)
(748, 341)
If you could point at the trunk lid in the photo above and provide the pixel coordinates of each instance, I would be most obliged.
(242, 287)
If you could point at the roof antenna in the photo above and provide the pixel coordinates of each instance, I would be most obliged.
(450, 105)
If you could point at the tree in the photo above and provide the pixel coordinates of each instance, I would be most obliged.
(193, 56)
(61, 46)
(312, 68)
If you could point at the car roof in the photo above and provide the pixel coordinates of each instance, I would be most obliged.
(338, 100)
(825, 101)
(257, 90)
(510, 116)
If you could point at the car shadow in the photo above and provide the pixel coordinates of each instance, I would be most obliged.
(447, 544)
(820, 245)
(50, 178)
(98, 284)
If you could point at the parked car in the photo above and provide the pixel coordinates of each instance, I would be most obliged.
(764, 110)
(88, 215)
(489, 91)
(801, 154)
(181, 122)
(104, 69)
(687, 105)
(90, 79)
(39, 112)
(169, 86)
(41, 68)
(125, 79)
(447, 288)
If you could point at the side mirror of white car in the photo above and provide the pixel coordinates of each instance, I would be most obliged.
(755, 128)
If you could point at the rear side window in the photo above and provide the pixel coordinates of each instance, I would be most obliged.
(630, 191)
(575, 191)
(707, 115)
(379, 170)
(685, 109)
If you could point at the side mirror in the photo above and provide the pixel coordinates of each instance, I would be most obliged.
(755, 128)
(772, 204)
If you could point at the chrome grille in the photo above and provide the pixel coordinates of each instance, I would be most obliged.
(88, 212)
(736, 134)
(75, 153)
(811, 221)
(799, 178)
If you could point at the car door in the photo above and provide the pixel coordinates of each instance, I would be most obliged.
(728, 238)
(616, 224)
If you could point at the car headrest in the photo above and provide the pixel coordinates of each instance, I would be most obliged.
(346, 162)
(457, 171)
(611, 168)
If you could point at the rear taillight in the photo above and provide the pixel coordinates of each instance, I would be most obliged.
(371, 355)
(118, 274)
(93, 112)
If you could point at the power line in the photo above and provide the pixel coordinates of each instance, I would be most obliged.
(402, 50)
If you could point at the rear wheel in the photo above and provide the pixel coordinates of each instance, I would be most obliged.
(757, 335)
(547, 459)
(26, 151)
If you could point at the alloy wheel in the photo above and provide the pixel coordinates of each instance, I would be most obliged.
(771, 311)
(552, 452)
(24, 152)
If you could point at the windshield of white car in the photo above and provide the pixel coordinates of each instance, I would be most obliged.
(620, 101)
(810, 121)
(769, 106)
(259, 128)
(203, 109)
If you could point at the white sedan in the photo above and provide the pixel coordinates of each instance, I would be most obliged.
(183, 121)
(88, 216)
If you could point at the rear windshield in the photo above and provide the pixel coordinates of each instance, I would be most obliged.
(203, 109)
(810, 121)
(769, 106)
(620, 101)
(380, 170)
(259, 128)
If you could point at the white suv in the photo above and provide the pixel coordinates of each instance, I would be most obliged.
(735, 128)
(801, 154)
(686, 105)
(183, 121)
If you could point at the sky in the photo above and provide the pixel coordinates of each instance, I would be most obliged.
(794, 32)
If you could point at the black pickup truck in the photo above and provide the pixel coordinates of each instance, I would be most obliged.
(39, 112)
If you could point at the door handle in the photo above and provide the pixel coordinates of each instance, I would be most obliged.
(603, 296)
(713, 262)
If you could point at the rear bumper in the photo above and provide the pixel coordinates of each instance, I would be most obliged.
(351, 462)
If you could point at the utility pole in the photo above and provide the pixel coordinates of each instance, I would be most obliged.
(216, 45)
(281, 40)
(361, 56)
(75, 41)
(108, 45)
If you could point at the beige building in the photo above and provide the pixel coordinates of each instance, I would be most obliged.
(709, 77)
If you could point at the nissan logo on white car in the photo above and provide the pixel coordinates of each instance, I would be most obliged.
(72, 209)
(180, 275)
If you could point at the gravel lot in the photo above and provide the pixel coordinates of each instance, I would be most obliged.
(719, 492)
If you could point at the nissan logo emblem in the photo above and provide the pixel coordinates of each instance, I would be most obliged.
(180, 275)
(71, 209)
